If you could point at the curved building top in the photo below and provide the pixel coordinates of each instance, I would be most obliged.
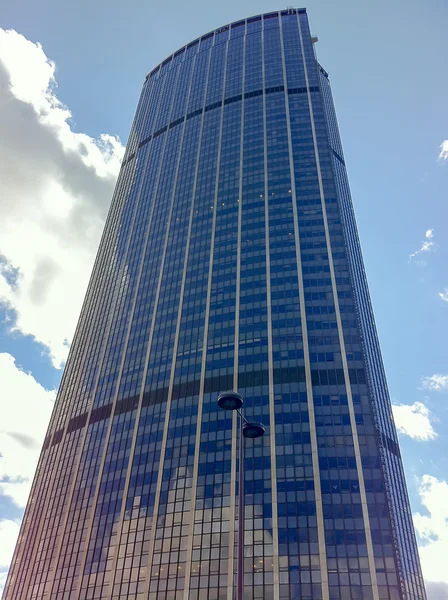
(234, 25)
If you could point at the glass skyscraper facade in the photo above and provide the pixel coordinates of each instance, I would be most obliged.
(230, 260)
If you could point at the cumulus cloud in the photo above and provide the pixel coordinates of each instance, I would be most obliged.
(9, 530)
(444, 295)
(432, 529)
(444, 150)
(426, 246)
(25, 408)
(436, 590)
(414, 420)
(435, 382)
(55, 188)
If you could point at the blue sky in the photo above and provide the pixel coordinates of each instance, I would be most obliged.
(387, 64)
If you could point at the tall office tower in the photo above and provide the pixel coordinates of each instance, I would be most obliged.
(230, 261)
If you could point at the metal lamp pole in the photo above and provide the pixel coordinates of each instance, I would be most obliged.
(248, 429)
(240, 556)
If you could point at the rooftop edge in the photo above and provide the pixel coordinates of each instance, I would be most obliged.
(232, 25)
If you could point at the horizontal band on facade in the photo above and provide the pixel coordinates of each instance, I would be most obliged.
(215, 105)
(249, 379)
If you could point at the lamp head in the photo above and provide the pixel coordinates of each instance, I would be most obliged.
(230, 401)
(253, 430)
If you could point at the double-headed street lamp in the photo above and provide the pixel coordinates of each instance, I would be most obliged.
(248, 429)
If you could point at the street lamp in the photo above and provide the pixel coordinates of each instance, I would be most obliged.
(248, 429)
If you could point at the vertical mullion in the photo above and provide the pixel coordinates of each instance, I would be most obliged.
(230, 574)
(304, 327)
(152, 328)
(275, 557)
(176, 340)
(204, 345)
(359, 469)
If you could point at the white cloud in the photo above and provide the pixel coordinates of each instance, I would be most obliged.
(9, 530)
(25, 408)
(435, 382)
(436, 590)
(426, 245)
(3, 576)
(55, 188)
(432, 529)
(414, 421)
(444, 295)
(444, 150)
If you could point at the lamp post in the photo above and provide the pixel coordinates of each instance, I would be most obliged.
(248, 429)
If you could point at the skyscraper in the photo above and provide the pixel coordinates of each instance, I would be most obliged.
(230, 260)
